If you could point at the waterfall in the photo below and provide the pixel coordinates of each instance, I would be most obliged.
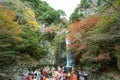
(67, 43)
(70, 60)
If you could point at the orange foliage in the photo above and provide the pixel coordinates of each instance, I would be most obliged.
(73, 46)
(79, 26)
(77, 29)
(103, 56)
(9, 14)
(72, 38)
(50, 29)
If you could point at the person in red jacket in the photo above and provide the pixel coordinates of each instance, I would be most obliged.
(28, 77)
(44, 77)
(73, 75)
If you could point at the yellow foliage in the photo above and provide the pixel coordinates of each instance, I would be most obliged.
(30, 16)
(29, 13)
(7, 25)
(34, 23)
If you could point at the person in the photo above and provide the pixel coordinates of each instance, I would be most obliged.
(82, 74)
(73, 75)
(44, 77)
(21, 77)
(35, 74)
(64, 75)
(77, 73)
(28, 77)
(34, 78)
(85, 75)
(68, 75)
(57, 77)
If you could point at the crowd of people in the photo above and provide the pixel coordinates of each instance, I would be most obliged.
(54, 74)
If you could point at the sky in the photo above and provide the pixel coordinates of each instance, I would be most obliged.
(67, 6)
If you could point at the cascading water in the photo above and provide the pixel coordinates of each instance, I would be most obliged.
(70, 60)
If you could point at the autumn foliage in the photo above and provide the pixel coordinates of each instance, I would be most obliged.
(94, 41)
(78, 26)
(10, 33)
(102, 56)
(77, 30)
(49, 29)
(7, 24)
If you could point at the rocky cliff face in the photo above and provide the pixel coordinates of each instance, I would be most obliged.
(89, 7)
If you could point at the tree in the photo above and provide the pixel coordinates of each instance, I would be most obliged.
(75, 16)
(10, 37)
(51, 16)
(25, 18)
(44, 13)
(61, 13)
(77, 36)
(84, 4)
(31, 44)
(24, 14)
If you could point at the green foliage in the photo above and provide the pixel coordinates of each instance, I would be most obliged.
(9, 30)
(10, 37)
(49, 36)
(31, 44)
(44, 13)
(75, 16)
(84, 4)
(28, 42)
(18, 7)
(24, 15)
(20, 35)
(116, 3)
(107, 28)
(61, 12)
(102, 40)
(60, 48)
(51, 16)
